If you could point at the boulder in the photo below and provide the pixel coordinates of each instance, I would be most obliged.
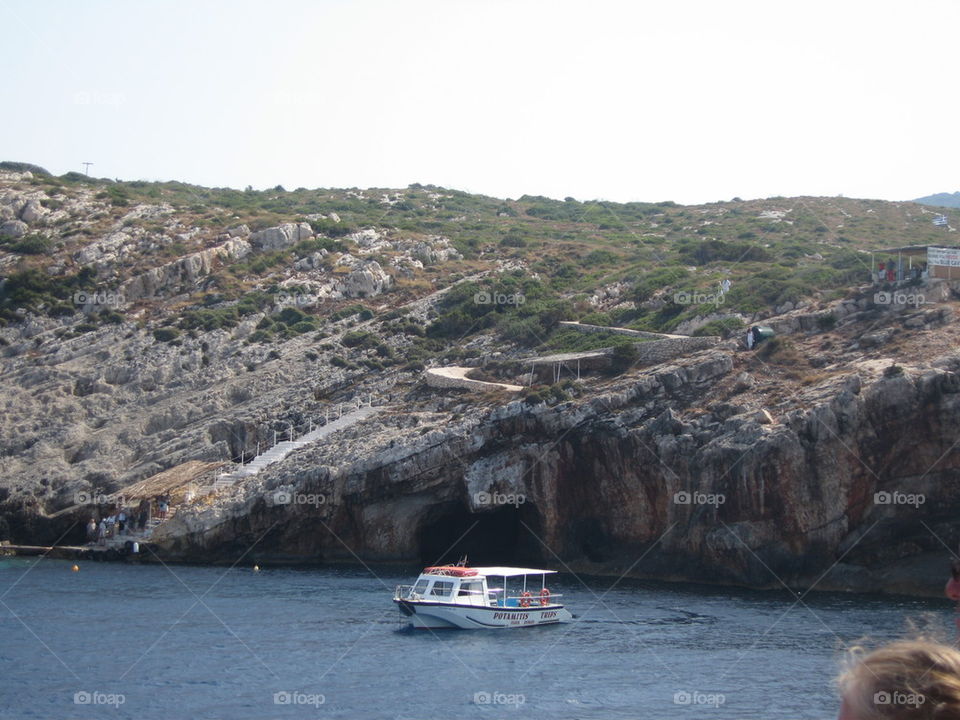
(14, 228)
(32, 211)
(107, 249)
(366, 280)
(281, 236)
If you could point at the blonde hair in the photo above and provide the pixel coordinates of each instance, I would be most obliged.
(906, 680)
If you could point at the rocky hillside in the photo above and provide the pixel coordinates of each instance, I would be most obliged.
(145, 325)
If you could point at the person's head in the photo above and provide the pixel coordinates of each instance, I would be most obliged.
(906, 680)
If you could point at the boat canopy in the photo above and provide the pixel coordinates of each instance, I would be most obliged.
(511, 571)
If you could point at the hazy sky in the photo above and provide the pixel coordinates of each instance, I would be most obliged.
(668, 100)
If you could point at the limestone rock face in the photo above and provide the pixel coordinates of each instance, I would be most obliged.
(109, 249)
(737, 495)
(281, 237)
(14, 228)
(182, 274)
(366, 280)
(32, 211)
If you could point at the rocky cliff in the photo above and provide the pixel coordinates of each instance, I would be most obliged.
(143, 326)
(675, 474)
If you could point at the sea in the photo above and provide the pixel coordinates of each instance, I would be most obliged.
(114, 640)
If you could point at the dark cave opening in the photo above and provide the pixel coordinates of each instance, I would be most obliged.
(505, 536)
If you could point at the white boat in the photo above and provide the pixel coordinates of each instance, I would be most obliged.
(454, 596)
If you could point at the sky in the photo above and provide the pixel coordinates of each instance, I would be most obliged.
(670, 100)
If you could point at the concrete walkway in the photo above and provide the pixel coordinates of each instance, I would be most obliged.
(455, 376)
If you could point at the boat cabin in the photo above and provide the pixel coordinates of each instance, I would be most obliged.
(482, 586)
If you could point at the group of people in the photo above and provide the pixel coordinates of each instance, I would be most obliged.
(125, 521)
(894, 271)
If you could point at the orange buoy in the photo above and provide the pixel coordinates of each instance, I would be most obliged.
(75, 568)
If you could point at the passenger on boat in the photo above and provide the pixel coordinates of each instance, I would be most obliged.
(953, 588)
(909, 679)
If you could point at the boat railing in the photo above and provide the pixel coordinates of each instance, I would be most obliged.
(533, 600)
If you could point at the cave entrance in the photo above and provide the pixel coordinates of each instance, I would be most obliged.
(496, 537)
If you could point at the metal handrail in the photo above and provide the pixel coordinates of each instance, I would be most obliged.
(405, 592)
(533, 597)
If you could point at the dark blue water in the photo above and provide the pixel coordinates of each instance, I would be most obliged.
(196, 642)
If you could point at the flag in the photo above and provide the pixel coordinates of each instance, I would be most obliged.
(940, 220)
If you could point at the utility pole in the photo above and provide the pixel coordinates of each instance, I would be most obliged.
(86, 168)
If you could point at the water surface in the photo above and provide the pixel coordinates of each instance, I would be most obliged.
(202, 642)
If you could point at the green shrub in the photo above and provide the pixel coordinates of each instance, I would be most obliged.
(304, 326)
(253, 302)
(313, 245)
(291, 316)
(210, 319)
(513, 239)
(599, 257)
(331, 228)
(110, 316)
(347, 312)
(725, 327)
(116, 194)
(707, 251)
(167, 334)
(33, 244)
(658, 279)
(623, 357)
(359, 339)
(260, 336)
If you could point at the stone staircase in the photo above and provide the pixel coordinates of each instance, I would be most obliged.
(282, 449)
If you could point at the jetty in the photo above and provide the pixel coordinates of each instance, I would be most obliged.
(58, 552)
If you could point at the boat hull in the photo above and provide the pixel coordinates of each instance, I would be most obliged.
(435, 616)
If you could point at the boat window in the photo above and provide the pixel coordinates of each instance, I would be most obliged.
(470, 588)
(442, 588)
(421, 587)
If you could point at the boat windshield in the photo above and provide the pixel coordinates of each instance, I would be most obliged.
(442, 588)
(470, 588)
(421, 587)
